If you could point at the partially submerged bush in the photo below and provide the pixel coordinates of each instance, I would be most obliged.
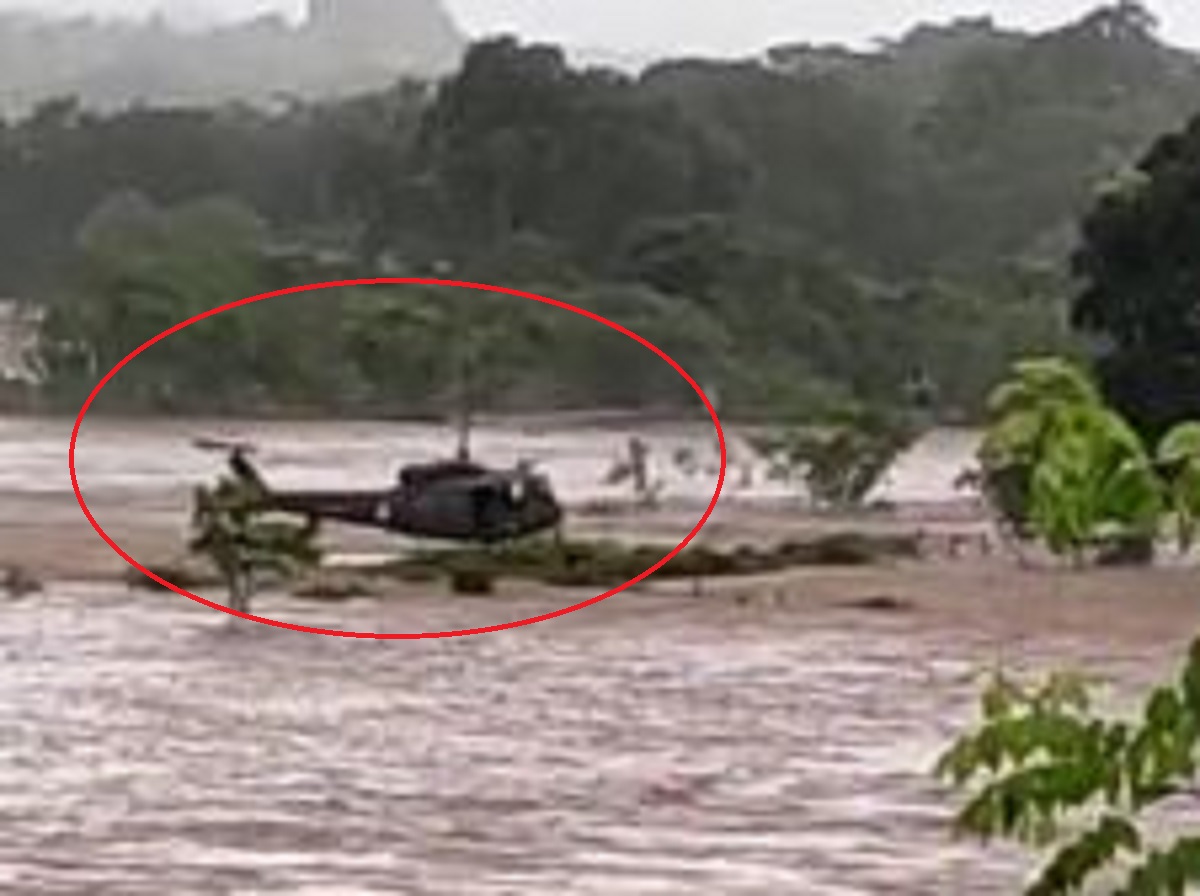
(841, 460)
(334, 585)
(852, 549)
(610, 563)
(1060, 466)
(20, 582)
(188, 575)
(243, 540)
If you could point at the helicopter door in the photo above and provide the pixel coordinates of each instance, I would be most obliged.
(492, 505)
(480, 498)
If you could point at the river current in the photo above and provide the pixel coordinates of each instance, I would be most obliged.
(651, 745)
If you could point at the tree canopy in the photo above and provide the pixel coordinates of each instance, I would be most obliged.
(808, 229)
(1140, 259)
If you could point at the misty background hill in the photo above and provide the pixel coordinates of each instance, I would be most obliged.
(342, 47)
(812, 227)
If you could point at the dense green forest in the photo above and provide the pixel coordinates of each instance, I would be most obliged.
(815, 228)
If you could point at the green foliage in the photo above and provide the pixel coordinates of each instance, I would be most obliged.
(843, 459)
(1141, 266)
(1038, 387)
(518, 141)
(1179, 461)
(1062, 466)
(805, 231)
(1023, 409)
(1093, 483)
(611, 563)
(142, 270)
(1045, 770)
(242, 541)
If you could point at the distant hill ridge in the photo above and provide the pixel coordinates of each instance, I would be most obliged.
(342, 47)
(925, 60)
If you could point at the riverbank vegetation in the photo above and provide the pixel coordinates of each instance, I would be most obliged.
(1043, 768)
(1048, 771)
(287, 558)
(1062, 467)
(607, 564)
(243, 543)
(815, 236)
(809, 231)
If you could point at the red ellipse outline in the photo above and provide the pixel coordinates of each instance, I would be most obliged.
(414, 281)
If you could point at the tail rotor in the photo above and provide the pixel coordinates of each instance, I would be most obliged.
(238, 453)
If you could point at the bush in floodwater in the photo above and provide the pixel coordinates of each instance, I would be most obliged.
(19, 582)
(1043, 769)
(1060, 466)
(242, 541)
(609, 563)
(841, 460)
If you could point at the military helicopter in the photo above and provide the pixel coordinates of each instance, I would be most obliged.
(453, 500)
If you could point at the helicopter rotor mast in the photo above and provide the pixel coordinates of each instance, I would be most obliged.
(464, 417)
(468, 354)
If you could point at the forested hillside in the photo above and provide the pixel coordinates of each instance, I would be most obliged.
(813, 228)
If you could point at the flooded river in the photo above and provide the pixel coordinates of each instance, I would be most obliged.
(641, 747)
(655, 744)
(148, 456)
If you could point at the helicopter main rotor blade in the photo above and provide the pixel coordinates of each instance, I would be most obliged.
(218, 444)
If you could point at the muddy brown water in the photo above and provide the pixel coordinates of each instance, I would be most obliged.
(649, 745)
(654, 744)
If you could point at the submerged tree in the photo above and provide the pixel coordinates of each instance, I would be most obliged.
(842, 458)
(634, 468)
(1064, 467)
(1094, 485)
(240, 538)
(1179, 464)
(1061, 466)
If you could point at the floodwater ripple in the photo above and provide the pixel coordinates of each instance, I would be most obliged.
(151, 747)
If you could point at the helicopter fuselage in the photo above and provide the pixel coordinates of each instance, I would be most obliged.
(470, 506)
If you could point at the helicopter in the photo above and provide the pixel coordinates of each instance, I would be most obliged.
(450, 500)
(455, 499)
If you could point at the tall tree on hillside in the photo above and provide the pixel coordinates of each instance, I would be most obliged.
(519, 142)
(142, 269)
(1140, 259)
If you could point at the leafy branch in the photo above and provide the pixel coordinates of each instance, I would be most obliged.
(233, 530)
(1043, 770)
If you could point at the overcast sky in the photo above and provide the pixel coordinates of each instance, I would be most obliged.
(711, 26)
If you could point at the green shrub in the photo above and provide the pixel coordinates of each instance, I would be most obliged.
(610, 563)
(235, 533)
(1060, 466)
(1043, 769)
